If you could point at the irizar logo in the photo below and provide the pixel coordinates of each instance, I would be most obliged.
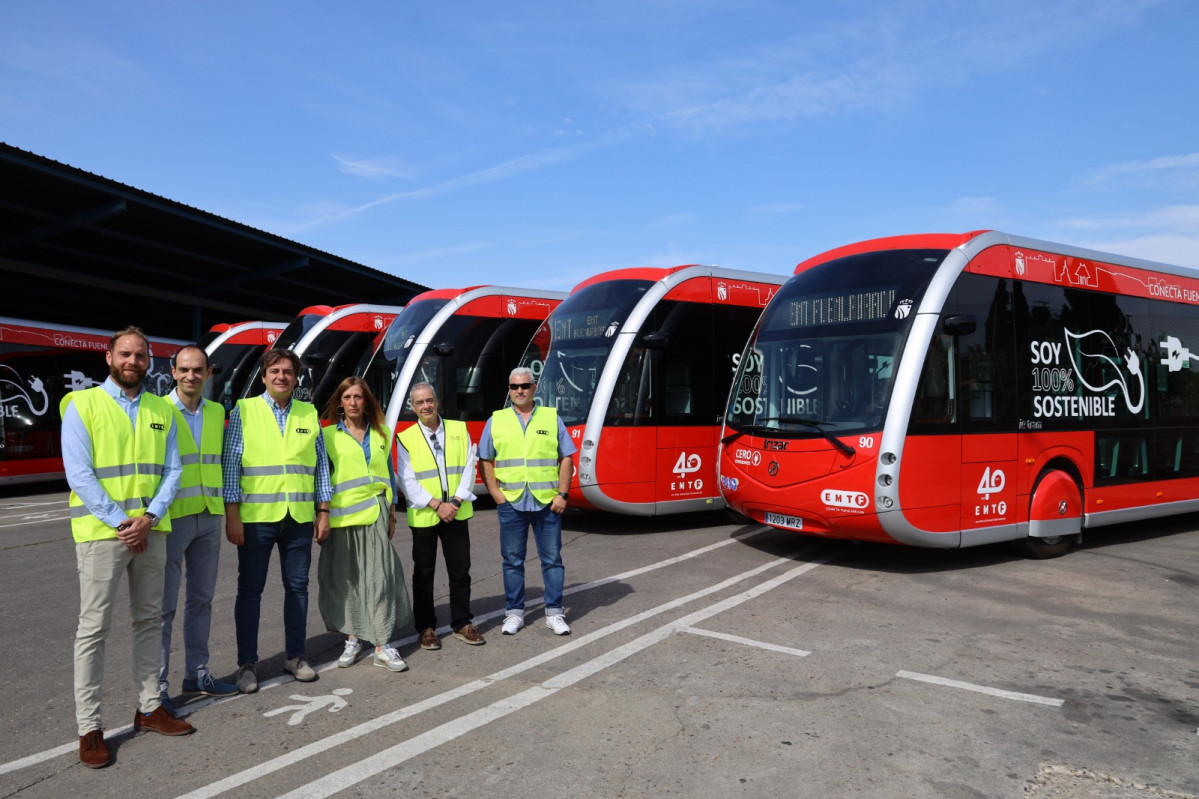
(854, 500)
(902, 309)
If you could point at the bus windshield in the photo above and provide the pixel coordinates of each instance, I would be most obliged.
(582, 331)
(388, 361)
(824, 356)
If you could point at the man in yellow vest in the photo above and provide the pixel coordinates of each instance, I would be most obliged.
(275, 471)
(527, 467)
(435, 456)
(196, 516)
(121, 460)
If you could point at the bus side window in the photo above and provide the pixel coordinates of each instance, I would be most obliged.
(935, 394)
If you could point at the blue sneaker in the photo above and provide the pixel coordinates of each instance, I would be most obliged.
(167, 704)
(209, 686)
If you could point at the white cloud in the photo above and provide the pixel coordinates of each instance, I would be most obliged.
(777, 208)
(381, 168)
(1179, 218)
(1177, 170)
(674, 220)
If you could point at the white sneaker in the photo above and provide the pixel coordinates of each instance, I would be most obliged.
(512, 625)
(390, 659)
(558, 624)
(350, 656)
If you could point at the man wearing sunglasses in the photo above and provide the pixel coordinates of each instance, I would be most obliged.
(527, 467)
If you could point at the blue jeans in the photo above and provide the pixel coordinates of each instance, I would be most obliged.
(294, 540)
(514, 542)
(194, 541)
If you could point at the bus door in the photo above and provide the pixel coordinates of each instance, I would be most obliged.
(983, 338)
(681, 387)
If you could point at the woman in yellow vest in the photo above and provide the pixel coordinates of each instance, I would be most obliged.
(362, 590)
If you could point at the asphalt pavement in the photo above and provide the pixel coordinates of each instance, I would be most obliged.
(708, 658)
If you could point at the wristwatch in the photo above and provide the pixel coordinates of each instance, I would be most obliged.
(457, 503)
(153, 519)
(564, 494)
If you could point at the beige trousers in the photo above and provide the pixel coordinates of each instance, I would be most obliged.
(100, 565)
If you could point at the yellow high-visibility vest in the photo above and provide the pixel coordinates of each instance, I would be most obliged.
(356, 484)
(200, 487)
(424, 464)
(128, 460)
(527, 457)
(278, 470)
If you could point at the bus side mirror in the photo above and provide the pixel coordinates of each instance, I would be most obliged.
(655, 341)
(444, 349)
(959, 325)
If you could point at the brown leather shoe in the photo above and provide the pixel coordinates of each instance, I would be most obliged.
(162, 722)
(428, 639)
(93, 752)
(469, 634)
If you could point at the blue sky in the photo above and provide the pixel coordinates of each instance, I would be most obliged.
(539, 143)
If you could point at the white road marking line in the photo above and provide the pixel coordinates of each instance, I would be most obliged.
(36, 520)
(373, 725)
(736, 639)
(535, 602)
(363, 770)
(65, 749)
(982, 689)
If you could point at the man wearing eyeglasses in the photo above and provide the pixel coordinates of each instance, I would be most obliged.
(526, 455)
(435, 455)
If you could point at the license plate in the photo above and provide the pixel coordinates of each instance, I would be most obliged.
(779, 520)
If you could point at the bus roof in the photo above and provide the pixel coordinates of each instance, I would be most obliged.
(26, 331)
(634, 273)
(919, 241)
(242, 333)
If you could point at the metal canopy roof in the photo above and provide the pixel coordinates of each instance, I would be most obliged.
(80, 249)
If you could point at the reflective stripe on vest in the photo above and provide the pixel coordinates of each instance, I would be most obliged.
(357, 485)
(200, 487)
(127, 460)
(536, 448)
(424, 465)
(278, 474)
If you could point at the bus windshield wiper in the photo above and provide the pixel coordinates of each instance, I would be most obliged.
(844, 448)
(774, 432)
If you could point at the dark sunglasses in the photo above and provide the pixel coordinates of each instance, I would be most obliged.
(520, 386)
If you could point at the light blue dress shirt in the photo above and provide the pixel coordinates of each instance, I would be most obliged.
(80, 468)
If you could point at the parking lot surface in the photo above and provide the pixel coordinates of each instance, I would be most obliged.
(707, 658)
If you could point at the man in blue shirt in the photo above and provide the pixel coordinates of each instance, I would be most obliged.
(519, 508)
(195, 539)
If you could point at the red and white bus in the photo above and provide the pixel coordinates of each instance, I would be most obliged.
(638, 363)
(233, 353)
(463, 342)
(333, 344)
(40, 364)
(955, 390)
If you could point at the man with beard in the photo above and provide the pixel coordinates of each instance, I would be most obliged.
(121, 458)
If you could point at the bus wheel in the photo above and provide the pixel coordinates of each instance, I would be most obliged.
(1054, 515)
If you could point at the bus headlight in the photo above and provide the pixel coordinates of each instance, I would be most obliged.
(885, 502)
(887, 458)
(885, 480)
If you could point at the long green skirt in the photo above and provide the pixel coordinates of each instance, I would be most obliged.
(362, 588)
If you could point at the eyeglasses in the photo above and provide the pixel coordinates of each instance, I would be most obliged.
(520, 386)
